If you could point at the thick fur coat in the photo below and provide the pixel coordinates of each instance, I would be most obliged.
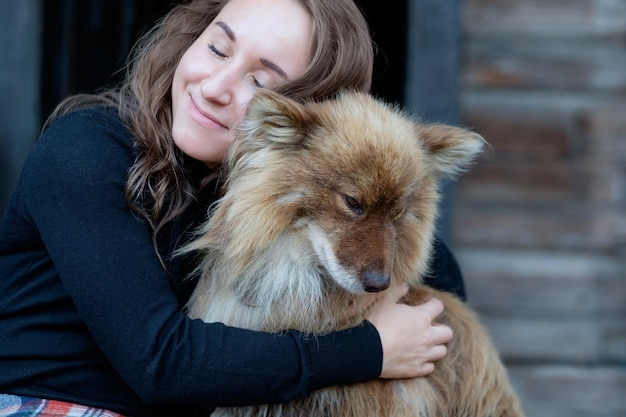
(325, 206)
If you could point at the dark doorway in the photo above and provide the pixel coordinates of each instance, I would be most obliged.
(86, 42)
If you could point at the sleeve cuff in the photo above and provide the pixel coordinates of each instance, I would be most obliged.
(345, 357)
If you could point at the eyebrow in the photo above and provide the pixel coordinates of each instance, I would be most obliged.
(227, 29)
(267, 63)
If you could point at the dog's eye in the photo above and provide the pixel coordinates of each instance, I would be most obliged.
(353, 204)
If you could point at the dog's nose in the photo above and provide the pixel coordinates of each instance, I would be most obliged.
(375, 281)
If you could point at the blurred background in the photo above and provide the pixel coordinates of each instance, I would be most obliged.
(538, 225)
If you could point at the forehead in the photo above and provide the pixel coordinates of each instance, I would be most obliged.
(368, 145)
(276, 30)
(274, 16)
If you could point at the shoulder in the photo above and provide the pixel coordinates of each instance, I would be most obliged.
(86, 128)
(79, 152)
(444, 272)
(86, 140)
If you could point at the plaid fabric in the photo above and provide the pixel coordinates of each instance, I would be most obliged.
(16, 406)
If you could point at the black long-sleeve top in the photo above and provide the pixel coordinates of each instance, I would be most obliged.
(88, 315)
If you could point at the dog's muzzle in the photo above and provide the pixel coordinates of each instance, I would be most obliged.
(375, 281)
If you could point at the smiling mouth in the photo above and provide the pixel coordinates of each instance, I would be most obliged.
(204, 118)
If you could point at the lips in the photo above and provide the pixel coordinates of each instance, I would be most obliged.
(202, 117)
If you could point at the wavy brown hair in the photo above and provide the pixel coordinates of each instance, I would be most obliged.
(159, 187)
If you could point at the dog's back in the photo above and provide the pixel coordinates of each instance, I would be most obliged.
(327, 205)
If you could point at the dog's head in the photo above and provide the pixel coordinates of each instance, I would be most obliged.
(356, 178)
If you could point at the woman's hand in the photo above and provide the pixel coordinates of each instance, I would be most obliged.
(411, 342)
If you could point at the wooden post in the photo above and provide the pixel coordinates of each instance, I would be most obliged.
(432, 76)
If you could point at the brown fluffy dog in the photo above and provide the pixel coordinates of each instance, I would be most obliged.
(326, 205)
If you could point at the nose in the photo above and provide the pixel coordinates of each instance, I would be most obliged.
(374, 281)
(220, 86)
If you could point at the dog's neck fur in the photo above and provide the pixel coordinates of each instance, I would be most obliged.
(306, 299)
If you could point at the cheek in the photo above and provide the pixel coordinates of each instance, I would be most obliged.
(239, 110)
(190, 68)
(225, 144)
(177, 90)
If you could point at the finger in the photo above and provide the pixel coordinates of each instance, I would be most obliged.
(437, 352)
(439, 335)
(424, 369)
(442, 333)
(400, 291)
(434, 307)
(395, 293)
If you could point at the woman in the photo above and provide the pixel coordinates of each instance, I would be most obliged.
(90, 300)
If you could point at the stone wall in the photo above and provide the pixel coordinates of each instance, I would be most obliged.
(540, 222)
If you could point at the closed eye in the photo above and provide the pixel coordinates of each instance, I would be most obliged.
(257, 83)
(216, 51)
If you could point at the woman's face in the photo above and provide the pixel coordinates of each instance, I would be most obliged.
(251, 44)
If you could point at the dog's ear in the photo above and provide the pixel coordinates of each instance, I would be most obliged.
(276, 118)
(451, 149)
